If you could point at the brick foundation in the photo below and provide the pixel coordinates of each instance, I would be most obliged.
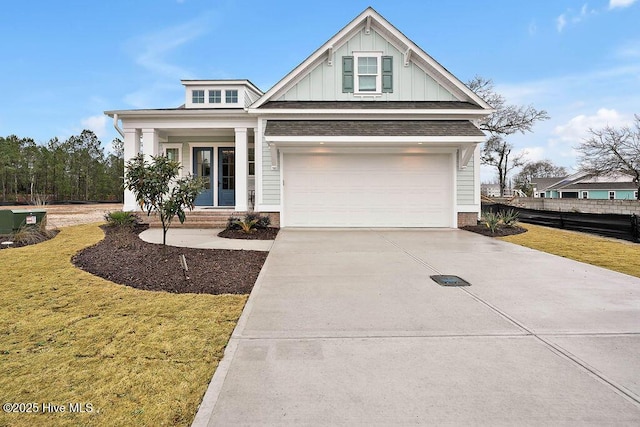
(467, 218)
(274, 216)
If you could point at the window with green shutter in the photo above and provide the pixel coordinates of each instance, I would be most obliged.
(347, 74)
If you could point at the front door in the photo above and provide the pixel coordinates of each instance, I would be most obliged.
(203, 167)
(226, 176)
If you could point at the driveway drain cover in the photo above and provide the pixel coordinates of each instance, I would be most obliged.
(447, 280)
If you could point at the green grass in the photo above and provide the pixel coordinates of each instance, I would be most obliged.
(613, 254)
(66, 336)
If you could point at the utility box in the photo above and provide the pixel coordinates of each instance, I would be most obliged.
(11, 220)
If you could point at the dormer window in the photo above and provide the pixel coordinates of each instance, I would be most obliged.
(215, 96)
(368, 76)
(231, 96)
(197, 96)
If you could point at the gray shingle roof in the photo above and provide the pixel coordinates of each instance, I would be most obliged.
(371, 128)
(371, 105)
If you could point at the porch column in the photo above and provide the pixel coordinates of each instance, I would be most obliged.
(242, 160)
(150, 143)
(131, 149)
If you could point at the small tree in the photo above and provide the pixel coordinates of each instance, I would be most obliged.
(156, 188)
(611, 150)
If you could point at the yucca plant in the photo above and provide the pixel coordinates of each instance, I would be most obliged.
(491, 220)
(247, 225)
(509, 218)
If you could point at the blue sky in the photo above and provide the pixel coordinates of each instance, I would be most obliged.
(64, 63)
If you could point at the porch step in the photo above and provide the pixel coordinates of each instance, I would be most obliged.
(201, 218)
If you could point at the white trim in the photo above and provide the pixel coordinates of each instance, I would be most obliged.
(454, 191)
(390, 140)
(584, 193)
(476, 180)
(464, 155)
(178, 145)
(612, 192)
(282, 211)
(356, 75)
(268, 208)
(433, 114)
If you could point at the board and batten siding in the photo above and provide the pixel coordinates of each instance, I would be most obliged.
(324, 82)
(465, 185)
(270, 177)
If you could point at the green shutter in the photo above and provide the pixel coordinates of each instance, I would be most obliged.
(347, 74)
(387, 74)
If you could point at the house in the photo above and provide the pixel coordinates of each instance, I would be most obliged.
(582, 185)
(368, 131)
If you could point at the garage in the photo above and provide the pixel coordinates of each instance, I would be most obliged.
(367, 190)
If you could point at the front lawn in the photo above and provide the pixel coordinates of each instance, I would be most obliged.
(67, 337)
(613, 254)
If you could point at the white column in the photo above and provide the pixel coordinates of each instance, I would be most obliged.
(242, 161)
(131, 149)
(150, 143)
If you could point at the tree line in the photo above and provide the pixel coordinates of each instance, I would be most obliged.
(77, 169)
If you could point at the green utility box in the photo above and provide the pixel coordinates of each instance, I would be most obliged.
(12, 219)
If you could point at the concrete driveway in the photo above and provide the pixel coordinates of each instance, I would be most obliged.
(346, 327)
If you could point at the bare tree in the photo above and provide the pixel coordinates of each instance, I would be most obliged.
(539, 169)
(506, 120)
(611, 150)
(496, 153)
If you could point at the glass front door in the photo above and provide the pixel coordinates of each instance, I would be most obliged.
(203, 167)
(226, 176)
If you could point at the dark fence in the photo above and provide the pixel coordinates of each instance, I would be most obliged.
(626, 227)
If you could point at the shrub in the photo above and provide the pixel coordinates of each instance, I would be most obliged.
(232, 223)
(261, 221)
(122, 219)
(509, 218)
(492, 220)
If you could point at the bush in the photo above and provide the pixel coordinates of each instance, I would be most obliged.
(122, 219)
(509, 218)
(261, 221)
(255, 219)
(232, 223)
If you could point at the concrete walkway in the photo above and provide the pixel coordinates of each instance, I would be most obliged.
(346, 327)
(203, 238)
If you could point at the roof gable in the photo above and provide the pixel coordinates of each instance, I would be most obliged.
(439, 84)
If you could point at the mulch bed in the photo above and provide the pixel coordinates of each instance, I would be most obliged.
(258, 234)
(122, 257)
(501, 231)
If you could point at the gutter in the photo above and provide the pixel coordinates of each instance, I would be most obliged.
(115, 125)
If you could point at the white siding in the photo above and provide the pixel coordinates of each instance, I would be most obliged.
(324, 82)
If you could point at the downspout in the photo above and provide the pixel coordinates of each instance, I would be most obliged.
(115, 125)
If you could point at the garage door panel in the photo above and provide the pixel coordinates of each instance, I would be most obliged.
(367, 190)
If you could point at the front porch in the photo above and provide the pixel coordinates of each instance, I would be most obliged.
(223, 156)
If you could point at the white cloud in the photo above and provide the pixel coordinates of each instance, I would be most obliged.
(629, 50)
(620, 3)
(569, 16)
(576, 129)
(561, 22)
(533, 154)
(98, 124)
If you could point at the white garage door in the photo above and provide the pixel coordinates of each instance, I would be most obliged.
(368, 190)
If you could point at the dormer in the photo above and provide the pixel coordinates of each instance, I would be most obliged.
(220, 93)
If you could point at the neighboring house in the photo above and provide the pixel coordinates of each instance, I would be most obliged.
(369, 131)
(585, 186)
(490, 190)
